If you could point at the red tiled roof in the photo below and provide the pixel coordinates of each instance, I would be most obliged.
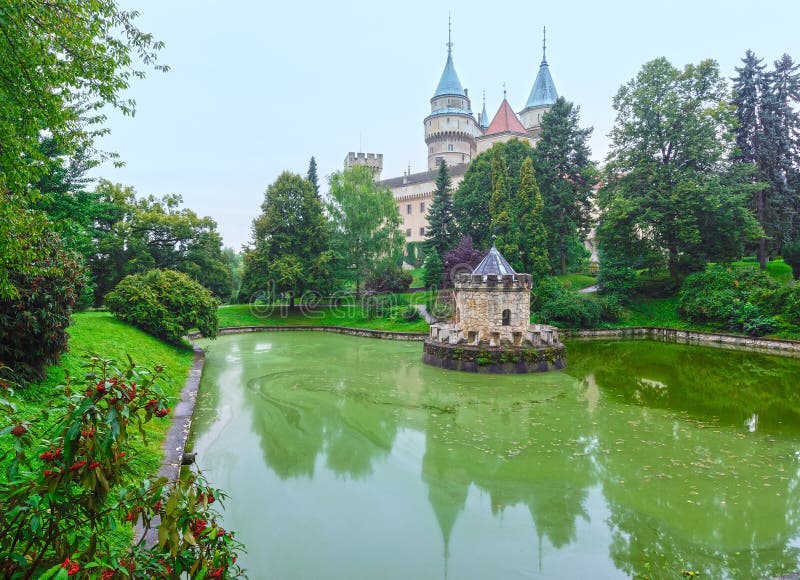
(505, 120)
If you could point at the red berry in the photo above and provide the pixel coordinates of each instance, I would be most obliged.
(19, 430)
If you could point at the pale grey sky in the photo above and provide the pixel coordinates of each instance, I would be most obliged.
(259, 87)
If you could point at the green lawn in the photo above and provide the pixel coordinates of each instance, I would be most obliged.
(352, 316)
(577, 281)
(102, 334)
(416, 280)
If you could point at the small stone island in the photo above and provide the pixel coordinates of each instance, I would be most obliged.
(491, 331)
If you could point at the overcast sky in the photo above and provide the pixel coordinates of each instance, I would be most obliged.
(258, 87)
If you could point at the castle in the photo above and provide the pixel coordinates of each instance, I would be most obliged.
(454, 135)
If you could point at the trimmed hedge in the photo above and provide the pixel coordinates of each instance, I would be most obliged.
(164, 303)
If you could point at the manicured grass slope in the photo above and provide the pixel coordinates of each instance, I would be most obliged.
(242, 315)
(100, 333)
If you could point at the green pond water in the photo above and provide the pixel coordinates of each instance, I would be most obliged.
(347, 458)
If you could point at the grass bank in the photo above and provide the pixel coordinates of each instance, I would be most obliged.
(352, 316)
(100, 333)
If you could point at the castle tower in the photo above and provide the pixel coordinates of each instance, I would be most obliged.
(450, 129)
(543, 95)
(372, 160)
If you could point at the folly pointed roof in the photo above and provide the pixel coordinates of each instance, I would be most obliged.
(543, 91)
(505, 120)
(494, 263)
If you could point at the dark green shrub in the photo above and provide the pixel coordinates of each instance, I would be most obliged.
(747, 318)
(164, 303)
(553, 303)
(388, 278)
(791, 255)
(33, 325)
(712, 295)
(617, 279)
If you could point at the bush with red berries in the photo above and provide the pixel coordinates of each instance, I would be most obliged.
(67, 485)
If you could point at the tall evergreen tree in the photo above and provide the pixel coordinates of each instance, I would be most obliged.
(312, 175)
(441, 231)
(532, 232)
(504, 219)
(566, 177)
(767, 138)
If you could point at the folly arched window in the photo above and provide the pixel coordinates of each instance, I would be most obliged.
(506, 317)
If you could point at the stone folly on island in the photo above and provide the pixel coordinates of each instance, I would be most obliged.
(491, 331)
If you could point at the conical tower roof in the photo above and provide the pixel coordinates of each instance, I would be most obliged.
(505, 120)
(449, 83)
(494, 263)
(484, 116)
(543, 91)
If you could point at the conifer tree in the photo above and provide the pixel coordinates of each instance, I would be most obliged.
(767, 138)
(566, 177)
(433, 269)
(532, 232)
(504, 220)
(312, 175)
(441, 232)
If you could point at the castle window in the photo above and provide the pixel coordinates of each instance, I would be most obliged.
(506, 317)
(449, 147)
(408, 208)
(439, 160)
(408, 232)
(422, 231)
(422, 207)
(462, 158)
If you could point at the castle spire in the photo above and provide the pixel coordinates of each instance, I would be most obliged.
(544, 44)
(449, 83)
(544, 91)
(484, 116)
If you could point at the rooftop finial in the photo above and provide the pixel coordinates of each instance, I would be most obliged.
(504, 90)
(449, 40)
(484, 98)
(544, 44)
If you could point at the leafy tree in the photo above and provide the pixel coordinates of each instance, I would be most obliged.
(290, 250)
(566, 177)
(505, 225)
(433, 269)
(164, 303)
(441, 229)
(312, 175)
(365, 223)
(472, 198)
(133, 235)
(532, 232)
(462, 259)
(670, 192)
(33, 325)
(62, 61)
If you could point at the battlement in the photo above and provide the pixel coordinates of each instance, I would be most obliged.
(495, 282)
(371, 160)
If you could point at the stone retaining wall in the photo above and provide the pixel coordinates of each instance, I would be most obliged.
(766, 345)
(364, 332)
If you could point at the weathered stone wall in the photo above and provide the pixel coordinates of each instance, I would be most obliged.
(481, 300)
(479, 359)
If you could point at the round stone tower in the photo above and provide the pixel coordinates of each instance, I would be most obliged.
(450, 129)
(491, 329)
